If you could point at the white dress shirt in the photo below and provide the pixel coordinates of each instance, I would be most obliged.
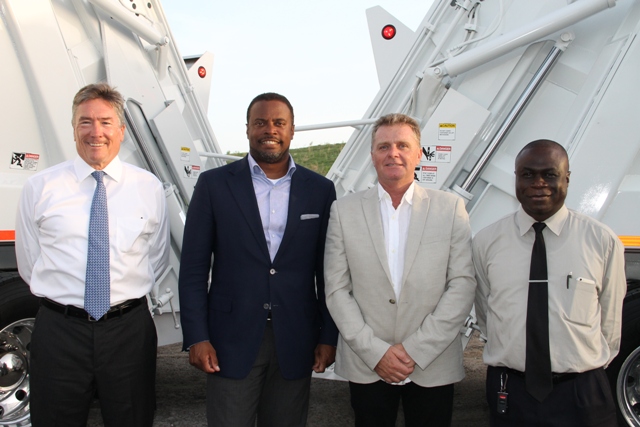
(52, 230)
(585, 263)
(395, 227)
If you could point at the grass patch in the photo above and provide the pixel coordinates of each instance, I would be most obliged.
(318, 158)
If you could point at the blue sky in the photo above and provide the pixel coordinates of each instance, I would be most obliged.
(316, 53)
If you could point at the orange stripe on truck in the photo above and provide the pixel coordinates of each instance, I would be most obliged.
(6, 235)
(630, 241)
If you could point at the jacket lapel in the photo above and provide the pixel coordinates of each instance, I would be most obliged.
(419, 212)
(371, 209)
(242, 190)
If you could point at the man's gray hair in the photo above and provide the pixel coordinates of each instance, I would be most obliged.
(396, 119)
(99, 91)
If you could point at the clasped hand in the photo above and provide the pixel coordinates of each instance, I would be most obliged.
(396, 364)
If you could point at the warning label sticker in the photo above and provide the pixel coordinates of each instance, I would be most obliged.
(191, 171)
(428, 174)
(447, 132)
(185, 154)
(437, 154)
(25, 161)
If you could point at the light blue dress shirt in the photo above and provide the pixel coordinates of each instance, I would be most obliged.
(273, 202)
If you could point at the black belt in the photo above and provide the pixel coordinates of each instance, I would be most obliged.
(557, 378)
(115, 311)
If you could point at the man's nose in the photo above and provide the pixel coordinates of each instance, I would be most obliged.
(538, 181)
(270, 128)
(96, 128)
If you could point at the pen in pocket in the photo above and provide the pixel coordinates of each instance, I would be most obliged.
(579, 279)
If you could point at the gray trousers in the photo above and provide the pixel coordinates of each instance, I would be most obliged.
(264, 394)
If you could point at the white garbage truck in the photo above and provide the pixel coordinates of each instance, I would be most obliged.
(48, 50)
(482, 77)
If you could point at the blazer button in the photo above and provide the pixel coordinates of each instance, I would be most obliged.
(272, 271)
(266, 306)
(392, 301)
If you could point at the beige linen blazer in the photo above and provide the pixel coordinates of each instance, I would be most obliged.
(438, 286)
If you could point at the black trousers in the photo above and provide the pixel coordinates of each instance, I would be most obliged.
(376, 404)
(72, 359)
(583, 401)
(263, 395)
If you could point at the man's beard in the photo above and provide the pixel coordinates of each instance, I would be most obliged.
(269, 157)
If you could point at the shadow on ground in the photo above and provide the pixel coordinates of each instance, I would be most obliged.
(181, 395)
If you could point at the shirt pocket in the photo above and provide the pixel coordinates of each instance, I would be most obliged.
(582, 306)
(131, 234)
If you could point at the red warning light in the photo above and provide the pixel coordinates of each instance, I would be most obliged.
(388, 32)
(202, 72)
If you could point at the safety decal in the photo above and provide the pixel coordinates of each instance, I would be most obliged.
(191, 171)
(185, 154)
(427, 174)
(447, 132)
(437, 154)
(25, 161)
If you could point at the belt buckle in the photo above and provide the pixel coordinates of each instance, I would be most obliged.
(91, 319)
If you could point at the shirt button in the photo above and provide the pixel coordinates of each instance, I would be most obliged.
(266, 306)
(392, 301)
(272, 271)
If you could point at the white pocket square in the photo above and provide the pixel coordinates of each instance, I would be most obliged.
(308, 216)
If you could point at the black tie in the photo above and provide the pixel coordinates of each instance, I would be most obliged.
(538, 378)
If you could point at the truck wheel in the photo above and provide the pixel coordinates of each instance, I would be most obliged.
(18, 308)
(624, 370)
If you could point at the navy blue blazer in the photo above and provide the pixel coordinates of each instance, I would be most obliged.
(223, 221)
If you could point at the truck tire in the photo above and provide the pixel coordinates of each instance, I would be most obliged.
(624, 370)
(18, 308)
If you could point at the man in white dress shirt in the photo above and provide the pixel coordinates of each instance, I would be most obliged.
(399, 284)
(583, 309)
(75, 355)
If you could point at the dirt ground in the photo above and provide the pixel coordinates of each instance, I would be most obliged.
(181, 395)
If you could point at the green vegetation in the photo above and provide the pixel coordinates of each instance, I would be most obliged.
(318, 158)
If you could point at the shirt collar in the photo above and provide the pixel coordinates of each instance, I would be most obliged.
(555, 222)
(83, 170)
(256, 170)
(408, 195)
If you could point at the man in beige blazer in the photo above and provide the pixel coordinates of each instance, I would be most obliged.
(399, 283)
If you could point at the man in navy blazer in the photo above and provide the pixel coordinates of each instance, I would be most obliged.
(258, 226)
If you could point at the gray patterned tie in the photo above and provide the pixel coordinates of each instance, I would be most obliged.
(97, 286)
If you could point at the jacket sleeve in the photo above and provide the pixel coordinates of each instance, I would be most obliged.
(329, 331)
(195, 264)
